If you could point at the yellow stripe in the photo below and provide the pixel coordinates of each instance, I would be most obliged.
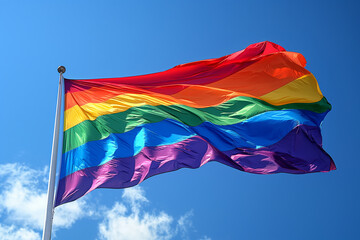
(302, 90)
(121, 103)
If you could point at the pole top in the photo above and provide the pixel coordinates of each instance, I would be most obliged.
(61, 69)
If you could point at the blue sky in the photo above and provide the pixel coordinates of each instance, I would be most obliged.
(98, 39)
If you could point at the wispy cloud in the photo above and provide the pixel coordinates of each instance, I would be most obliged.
(13, 233)
(23, 200)
(66, 215)
(122, 222)
(129, 220)
(205, 238)
(184, 224)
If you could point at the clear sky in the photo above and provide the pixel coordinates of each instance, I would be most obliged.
(98, 39)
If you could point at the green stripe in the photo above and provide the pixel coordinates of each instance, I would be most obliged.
(233, 111)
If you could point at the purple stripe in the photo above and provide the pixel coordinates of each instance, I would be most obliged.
(298, 152)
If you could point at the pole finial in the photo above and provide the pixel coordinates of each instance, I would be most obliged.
(61, 69)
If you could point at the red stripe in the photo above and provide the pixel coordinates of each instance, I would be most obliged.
(201, 72)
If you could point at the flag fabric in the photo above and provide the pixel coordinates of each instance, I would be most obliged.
(257, 110)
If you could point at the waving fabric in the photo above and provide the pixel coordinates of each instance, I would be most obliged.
(257, 110)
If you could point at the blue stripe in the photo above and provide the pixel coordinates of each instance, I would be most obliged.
(261, 130)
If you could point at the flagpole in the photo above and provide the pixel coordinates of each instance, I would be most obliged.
(49, 214)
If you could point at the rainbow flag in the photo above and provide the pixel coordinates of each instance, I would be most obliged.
(257, 110)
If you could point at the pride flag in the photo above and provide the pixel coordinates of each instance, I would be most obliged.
(257, 110)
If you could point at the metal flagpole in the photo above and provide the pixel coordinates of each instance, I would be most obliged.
(54, 152)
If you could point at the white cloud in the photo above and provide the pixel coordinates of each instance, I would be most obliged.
(66, 215)
(132, 222)
(23, 202)
(23, 199)
(122, 226)
(184, 223)
(121, 223)
(205, 238)
(135, 196)
(14, 233)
